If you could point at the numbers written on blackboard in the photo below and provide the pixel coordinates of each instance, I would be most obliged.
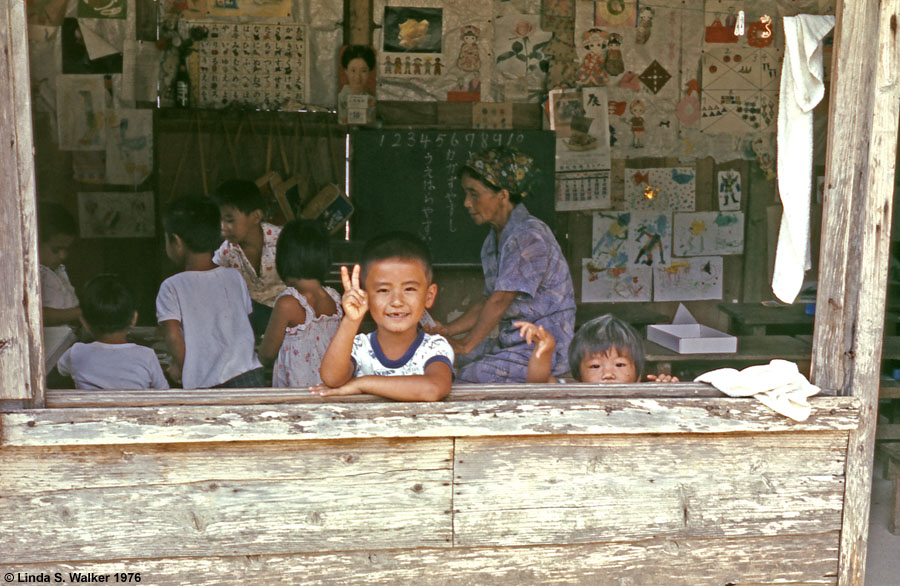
(411, 139)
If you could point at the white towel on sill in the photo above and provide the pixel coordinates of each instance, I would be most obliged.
(777, 385)
(802, 87)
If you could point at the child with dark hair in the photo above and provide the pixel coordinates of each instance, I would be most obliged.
(57, 232)
(604, 350)
(204, 308)
(110, 362)
(398, 360)
(249, 246)
(306, 314)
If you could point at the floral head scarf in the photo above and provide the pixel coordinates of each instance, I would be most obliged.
(506, 168)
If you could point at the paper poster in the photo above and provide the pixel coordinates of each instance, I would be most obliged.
(519, 45)
(89, 166)
(356, 85)
(740, 89)
(720, 19)
(689, 279)
(81, 112)
(102, 9)
(265, 65)
(492, 116)
(413, 42)
(730, 190)
(615, 13)
(129, 146)
(580, 119)
(625, 239)
(703, 233)
(663, 188)
(116, 214)
(249, 9)
(84, 52)
(611, 285)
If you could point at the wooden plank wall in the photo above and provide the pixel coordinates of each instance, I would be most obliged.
(21, 352)
(640, 509)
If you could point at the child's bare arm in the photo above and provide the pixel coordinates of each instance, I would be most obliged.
(434, 385)
(175, 345)
(337, 367)
(58, 317)
(286, 311)
(540, 364)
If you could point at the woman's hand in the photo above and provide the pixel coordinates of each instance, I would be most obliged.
(355, 301)
(438, 329)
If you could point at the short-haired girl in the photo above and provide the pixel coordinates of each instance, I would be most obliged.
(604, 350)
(306, 315)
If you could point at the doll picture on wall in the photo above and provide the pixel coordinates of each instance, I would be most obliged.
(356, 85)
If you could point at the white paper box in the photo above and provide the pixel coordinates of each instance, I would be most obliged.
(685, 336)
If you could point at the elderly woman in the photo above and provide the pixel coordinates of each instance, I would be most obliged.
(526, 277)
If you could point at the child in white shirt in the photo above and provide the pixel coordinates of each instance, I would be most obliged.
(57, 231)
(306, 314)
(204, 309)
(110, 362)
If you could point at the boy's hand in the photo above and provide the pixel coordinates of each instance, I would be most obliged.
(662, 378)
(174, 371)
(544, 341)
(347, 389)
(355, 301)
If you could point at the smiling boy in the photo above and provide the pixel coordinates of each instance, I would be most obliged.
(396, 289)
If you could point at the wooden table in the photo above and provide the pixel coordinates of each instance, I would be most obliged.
(754, 318)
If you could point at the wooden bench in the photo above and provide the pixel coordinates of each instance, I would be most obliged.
(891, 452)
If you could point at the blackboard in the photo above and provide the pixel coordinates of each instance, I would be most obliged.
(408, 180)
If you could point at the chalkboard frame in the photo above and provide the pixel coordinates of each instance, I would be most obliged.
(407, 162)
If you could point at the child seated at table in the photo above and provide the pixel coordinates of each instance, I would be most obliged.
(604, 350)
(398, 360)
(204, 309)
(111, 361)
(306, 314)
(57, 231)
(249, 246)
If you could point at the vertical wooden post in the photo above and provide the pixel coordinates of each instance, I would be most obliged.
(358, 28)
(21, 350)
(859, 176)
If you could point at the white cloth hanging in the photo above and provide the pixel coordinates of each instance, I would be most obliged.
(802, 87)
(777, 385)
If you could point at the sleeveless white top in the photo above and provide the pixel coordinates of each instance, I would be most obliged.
(304, 345)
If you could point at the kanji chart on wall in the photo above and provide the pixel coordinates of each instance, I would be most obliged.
(261, 64)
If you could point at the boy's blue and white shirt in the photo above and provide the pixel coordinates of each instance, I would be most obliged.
(368, 358)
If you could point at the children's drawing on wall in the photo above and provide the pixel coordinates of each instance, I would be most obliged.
(729, 190)
(689, 279)
(610, 285)
(644, 25)
(703, 233)
(580, 119)
(688, 109)
(592, 71)
(46, 12)
(661, 188)
(720, 19)
(519, 45)
(129, 146)
(81, 112)
(637, 109)
(250, 8)
(356, 85)
(740, 90)
(625, 239)
(102, 9)
(116, 214)
(615, 13)
(413, 41)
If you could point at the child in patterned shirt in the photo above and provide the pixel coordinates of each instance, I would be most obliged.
(398, 360)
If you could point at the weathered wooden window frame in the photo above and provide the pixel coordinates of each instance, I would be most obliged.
(863, 115)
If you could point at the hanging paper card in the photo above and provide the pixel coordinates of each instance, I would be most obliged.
(689, 279)
(129, 146)
(613, 13)
(666, 188)
(625, 239)
(81, 112)
(740, 90)
(604, 285)
(729, 190)
(116, 214)
(102, 9)
(519, 45)
(721, 17)
(413, 41)
(702, 233)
